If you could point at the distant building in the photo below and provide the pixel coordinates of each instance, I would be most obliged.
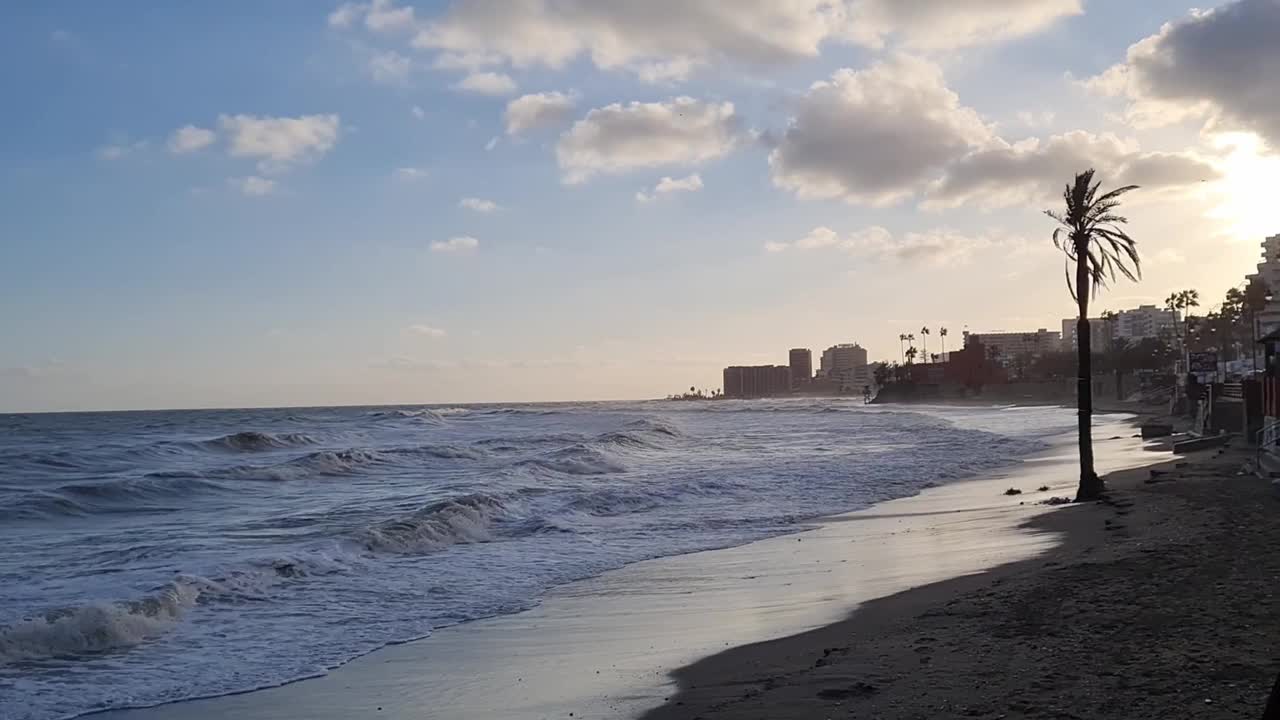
(1146, 321)
(846, 366)
(757, 382)
(1269, 274)
(1099, 334)
(1011, 345)
(801, 366)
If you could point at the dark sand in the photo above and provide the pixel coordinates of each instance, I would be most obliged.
(1160, 603)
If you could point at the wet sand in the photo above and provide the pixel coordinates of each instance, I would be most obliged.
(607, 647)
(1161, 603)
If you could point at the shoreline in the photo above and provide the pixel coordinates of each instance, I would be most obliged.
(1130, 616)
(604, 647)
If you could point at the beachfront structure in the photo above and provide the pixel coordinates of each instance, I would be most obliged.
(1269, 274)
(1145, 322)
(840, 360)
(1099, 334)
(801, 363)
(757, 381)
(1008, 346)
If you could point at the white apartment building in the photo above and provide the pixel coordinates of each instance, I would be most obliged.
(1269, 273)
(1010, 345)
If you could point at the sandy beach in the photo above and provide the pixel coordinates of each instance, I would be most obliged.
(1159, 603)
(612, 646)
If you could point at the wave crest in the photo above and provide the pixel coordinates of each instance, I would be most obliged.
(465, 519)
(253, 441)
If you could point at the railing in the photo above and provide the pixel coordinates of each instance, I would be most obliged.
(1267, 439)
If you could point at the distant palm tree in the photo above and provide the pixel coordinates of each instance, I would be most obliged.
(911, 354)
(924, 340)
(942, 333)
(1091, 238)
(902, 348)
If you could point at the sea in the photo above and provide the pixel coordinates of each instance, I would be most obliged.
(151, 557)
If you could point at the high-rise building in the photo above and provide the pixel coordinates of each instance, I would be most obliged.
(840, 359)
(1010, 345)
(1269, 274)
(801, 361)
(757, 382)
(1145, 321)
(1099, 334)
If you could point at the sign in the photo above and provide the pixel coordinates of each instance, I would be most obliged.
(1202, 362)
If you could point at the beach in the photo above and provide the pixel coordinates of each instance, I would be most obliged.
(1158, 603)
(742, 622)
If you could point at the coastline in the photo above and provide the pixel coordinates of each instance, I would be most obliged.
(605, 647)
(1158, 603)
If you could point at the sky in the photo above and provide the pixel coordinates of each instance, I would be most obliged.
(296, 203)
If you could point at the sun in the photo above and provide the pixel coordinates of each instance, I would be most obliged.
(1245, 198)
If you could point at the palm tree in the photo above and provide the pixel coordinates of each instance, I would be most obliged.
(942, 333)
(924, 340)
(902, 348)
(1188, 299)
(911, 354)
(1092, 239)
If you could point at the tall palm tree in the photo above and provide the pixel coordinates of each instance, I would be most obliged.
(1188, 299)
(902, 348)
(1091, 238)
(924, 340)
(942, 333)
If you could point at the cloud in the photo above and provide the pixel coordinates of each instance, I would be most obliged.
(949, 24)
(456, 245)
(487, 83)
(380, 16)
(1036, 119)
(667, 185)
(190, 138)
(410, 174)
(116, 151)
(1219, 65)
(934, 247)
(280, 142)
(427, 331)
(875, 136)
(418, 112)
(479, 205)
(618, 138)
(390, 67)
(664, 40)
(1005, 174)
(538, 110)
(493, 143)
(254, 186)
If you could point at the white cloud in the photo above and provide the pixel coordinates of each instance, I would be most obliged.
(390, 67)
(487, 83)
(934, 247)
(538, 110)
(418, 112)
(410, 174)
(427, 331)
(662, 40)
(1219, 65)
(254, 186)
(619, 138)
(875, 136)
(479, 205)
(380, 16)
(1005, 174)
(190, 138)
(115, 151)
(279, 142)
(493, 143)
(1036, 119)
(457, 245)
(667, 185)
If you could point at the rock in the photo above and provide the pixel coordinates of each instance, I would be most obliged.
(1013, 491)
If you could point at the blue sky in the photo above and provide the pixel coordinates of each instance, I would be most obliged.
(349, 217)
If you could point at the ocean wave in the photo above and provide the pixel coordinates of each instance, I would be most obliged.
(253, 441)
(577, 460)
(465, 519)
(80, 499)
(425, 415)
(93, 629)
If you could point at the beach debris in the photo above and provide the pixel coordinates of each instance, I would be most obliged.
(1013, 491)
(1043, 488)
(1057, 500)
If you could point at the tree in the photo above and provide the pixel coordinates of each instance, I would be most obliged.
(902, 347)
(911, 354)
(942, 333)
(924, 341)
(882, 373)
(1091, 239)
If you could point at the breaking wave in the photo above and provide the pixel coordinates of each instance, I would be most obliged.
(466, 519)
(252, 441)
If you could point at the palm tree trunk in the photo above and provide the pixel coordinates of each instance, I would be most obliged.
(1090, 485)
